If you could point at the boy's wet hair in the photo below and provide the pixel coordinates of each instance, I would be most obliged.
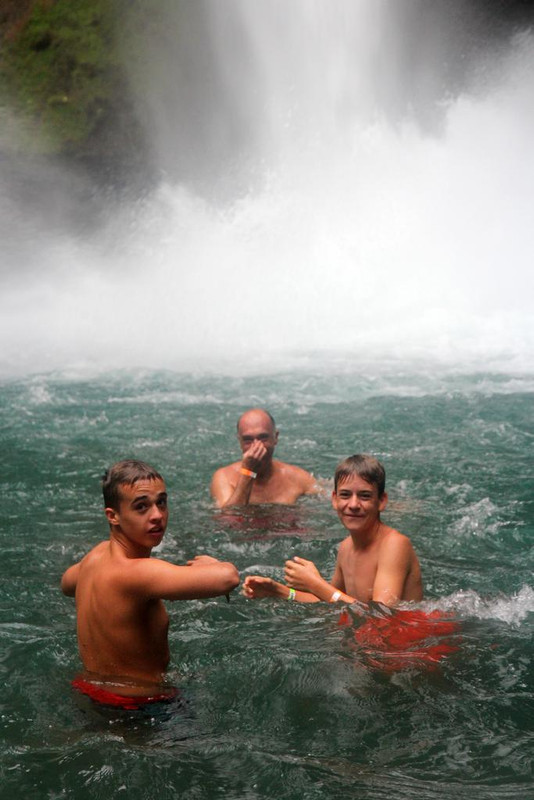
(125, 472)
(366, 467)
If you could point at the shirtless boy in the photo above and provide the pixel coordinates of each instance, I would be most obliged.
(374, 562)
(258, 478)
(121, 620)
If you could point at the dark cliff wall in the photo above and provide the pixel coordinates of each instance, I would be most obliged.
(61, 78)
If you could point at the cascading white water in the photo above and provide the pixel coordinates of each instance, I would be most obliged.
(320, 192)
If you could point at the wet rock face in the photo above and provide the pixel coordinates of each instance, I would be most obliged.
(61, 77)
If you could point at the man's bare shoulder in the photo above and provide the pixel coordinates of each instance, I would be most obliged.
(228, 471)
(224, 477)
(297, 475)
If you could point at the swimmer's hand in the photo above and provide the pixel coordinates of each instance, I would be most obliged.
(254, 456)
(256, 586)
(302, 574)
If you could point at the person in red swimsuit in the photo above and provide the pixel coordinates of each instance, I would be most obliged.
(122, 623)
(376, 565)
(375, 562)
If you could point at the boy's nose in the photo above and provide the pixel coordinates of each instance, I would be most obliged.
(354, 501)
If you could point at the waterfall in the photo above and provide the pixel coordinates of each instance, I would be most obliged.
(338, 179)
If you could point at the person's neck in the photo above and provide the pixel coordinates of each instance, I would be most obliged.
(364, 539)
(122, 546)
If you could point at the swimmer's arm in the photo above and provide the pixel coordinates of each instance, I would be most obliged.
(69, 580)
(204, 577)
(226, 493)
(233, 487)
(393, 569)
(304, 576)
(257, 586)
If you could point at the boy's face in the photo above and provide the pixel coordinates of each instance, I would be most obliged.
(357, 504)
(143, 514)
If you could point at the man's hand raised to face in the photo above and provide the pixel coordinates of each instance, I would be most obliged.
(254, 457)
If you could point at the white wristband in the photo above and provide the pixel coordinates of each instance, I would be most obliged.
(335, 597)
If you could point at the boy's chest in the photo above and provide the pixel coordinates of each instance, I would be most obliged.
(359, 573)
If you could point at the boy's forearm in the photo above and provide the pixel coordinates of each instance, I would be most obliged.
(226, 577)
(327, 592)
(287, 593)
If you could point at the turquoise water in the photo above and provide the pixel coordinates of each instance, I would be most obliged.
(278, 702)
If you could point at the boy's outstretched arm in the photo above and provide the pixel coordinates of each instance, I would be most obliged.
(204, 576)
(304, 583)
(304, 576)
(256, 586)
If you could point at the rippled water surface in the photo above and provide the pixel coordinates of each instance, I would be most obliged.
(278, 701)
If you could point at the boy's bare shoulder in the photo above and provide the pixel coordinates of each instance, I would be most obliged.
(394, 541)
(96, 553)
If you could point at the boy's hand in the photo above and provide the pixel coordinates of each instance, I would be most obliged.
(256, 586)
(302, 574)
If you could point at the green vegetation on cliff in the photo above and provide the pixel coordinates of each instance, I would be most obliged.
(59, 71)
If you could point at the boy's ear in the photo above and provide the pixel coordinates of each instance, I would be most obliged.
(383, 501)
(334, 499)
(112, 516)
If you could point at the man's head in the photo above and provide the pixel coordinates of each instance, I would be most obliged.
(256, 424)
(125, 473)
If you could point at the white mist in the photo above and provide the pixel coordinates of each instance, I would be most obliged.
(330, 226)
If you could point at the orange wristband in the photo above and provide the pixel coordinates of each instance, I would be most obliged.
(248, 473)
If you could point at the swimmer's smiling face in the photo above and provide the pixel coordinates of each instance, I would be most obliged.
(358, 504)
(142, 516)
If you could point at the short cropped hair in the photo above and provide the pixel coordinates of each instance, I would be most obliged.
(125, 472)
(366, 467)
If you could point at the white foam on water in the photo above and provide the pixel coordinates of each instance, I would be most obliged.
(512, 610)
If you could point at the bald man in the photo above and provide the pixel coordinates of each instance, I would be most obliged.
(258, 478)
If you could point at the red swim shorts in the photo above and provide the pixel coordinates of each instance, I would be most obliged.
(106, 698)
(406, 639)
